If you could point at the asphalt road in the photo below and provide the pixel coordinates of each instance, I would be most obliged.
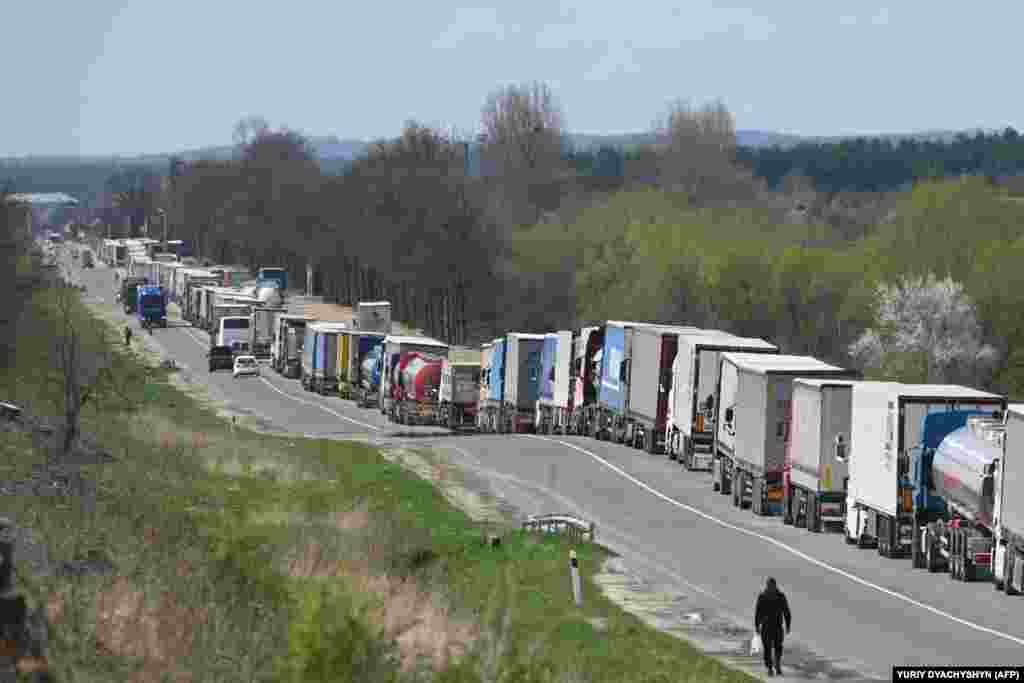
(851, 607)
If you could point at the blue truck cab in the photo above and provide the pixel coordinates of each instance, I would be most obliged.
(152, 305)
(944, 538)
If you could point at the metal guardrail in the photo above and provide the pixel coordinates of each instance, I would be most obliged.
(577, 528)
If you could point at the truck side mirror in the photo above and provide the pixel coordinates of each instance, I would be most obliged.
(728, 416)
(839, 448)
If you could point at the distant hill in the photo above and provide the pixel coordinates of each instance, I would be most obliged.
(338, 150)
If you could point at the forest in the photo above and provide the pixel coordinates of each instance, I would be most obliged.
(911, 276)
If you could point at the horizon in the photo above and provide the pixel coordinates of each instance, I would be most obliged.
(331, 138)
(112, 79)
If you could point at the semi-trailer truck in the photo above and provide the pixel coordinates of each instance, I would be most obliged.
(522, 381)
(394, 346)
(954, 493)
(320, 356)
(492, 386)
(887, 419)
(815, 471)
(289, 335)
(690, 423)
(1008, 514)
(554, 403)
(752, 424)
(459, 394)
(152, 306)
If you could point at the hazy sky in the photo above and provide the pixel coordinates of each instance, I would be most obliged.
(118, 77)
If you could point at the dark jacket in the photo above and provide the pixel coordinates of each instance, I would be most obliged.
(772, 610)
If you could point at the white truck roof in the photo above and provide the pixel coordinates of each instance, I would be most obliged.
(766, 363)
(421, 341)
(327, 327)
(1016, 409)
(824, 382)
(876, 436)
(526, 335)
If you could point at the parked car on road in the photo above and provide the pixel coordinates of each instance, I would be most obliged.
(221, 358)
(246, 365)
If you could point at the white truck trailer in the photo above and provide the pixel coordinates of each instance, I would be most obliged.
(814, 477)
(690, 427)
(373, 316)
(553, 403)
(752, 424)
(1008, 555)
(886, 427)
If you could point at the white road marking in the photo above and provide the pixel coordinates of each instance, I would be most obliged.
(570, 504)
(791, 550)
(317, 405)
(191, 336)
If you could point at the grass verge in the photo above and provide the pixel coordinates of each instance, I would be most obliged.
(242, 556)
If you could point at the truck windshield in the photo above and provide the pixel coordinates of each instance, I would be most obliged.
(236, 323)
(153, 300)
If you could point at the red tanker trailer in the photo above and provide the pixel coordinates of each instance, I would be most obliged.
(418, 378)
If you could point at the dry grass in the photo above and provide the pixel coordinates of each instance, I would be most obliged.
(213, 533)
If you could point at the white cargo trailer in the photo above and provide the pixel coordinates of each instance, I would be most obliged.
(885, 427)
(753, 411)
(690, 427)
(554, 401)
(522, 379)
(1008, 559)
(816, 464)
(374, 316)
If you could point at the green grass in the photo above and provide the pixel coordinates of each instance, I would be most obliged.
(203, 521)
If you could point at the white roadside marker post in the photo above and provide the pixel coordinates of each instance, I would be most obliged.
(574, 568)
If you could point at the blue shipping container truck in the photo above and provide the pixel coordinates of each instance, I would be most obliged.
(612, 391)
(489, 414)
(152, 305)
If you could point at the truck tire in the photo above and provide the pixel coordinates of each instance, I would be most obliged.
(757, 496)
(1008, 569)
(737, 502)
(929, 554)
(813, 525)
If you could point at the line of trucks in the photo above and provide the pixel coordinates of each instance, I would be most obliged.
(913, 471)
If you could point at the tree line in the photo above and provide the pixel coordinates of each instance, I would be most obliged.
(881, 164)
(409, 222)
(676, 230)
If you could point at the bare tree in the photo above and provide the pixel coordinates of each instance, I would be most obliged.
(695, 148)
(84, 361)
(12, 246)
(523, 128)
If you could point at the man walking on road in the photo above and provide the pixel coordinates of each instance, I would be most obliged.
(771, 614)
(127, 335)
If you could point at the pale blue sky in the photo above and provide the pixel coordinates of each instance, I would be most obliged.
(117, 77)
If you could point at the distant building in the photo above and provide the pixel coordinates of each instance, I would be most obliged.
(43, 207)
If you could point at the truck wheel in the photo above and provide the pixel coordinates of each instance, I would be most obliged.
(929, 554)
(757, 494)
(1008, 569)
(652, 442)
(737, 502)
(812, 515)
